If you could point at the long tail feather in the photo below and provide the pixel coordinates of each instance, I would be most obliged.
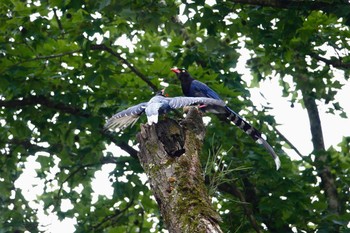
(272, 152)
(254, 133)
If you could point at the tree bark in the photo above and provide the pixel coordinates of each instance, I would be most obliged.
(169, 154)
(321, 158)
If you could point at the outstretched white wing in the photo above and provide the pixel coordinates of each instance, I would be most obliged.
(126, 117)
(179, 102)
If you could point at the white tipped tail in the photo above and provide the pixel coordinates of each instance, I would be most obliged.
(271, 151)
(277, 162)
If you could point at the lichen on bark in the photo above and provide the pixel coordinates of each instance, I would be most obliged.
(169, 154)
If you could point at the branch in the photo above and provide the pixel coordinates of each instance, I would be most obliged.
(67, 178)
(98, 48)
(315, 122)
(288, 142)
(123, 145)
(45, 101)
(250, 201)
(104, 160)
(334, 62)
(298, 4)
(328, 184)
(57, 19)
(26, 144)
(327, 180)
(116, 214)
(37, 58)
(103, 47)
(233, 190)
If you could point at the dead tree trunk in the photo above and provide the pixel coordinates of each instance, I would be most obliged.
(169, 154)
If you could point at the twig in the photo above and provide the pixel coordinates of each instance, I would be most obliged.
(232, 189)
(45, 101)
(101, 48)
(103, 161)
(27, 145)
(126, 62)
(58, 20)
(49, 56)
(67, 178)
(123, 145)
(116, 214)
(288, 142)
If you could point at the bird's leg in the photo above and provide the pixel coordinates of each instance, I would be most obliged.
(202, 107)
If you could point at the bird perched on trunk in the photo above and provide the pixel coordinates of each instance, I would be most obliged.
(155, 106)
(195, 88)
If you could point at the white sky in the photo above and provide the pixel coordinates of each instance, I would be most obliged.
(294, 122)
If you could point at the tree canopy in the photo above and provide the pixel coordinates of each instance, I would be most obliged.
(66, 66)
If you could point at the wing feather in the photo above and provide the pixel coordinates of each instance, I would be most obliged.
(126, 117)
(202, 89)
(179, 102)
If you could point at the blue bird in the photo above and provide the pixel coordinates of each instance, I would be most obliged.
(154, 107)
(194, 88)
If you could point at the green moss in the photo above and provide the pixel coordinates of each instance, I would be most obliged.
(152, 147)
(189, 193)
(192, 200)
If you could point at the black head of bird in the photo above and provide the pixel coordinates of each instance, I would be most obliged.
(185, 79)
(181, 73)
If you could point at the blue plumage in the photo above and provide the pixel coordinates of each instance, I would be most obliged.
(199, 89)
(195, 88)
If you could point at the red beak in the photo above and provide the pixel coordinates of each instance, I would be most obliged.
(175, 70)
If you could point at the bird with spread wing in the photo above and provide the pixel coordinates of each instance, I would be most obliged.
(194, 88)
(159, 104)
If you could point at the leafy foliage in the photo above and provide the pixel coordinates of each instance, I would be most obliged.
(68, 65)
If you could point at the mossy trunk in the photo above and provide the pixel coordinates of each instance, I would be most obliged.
(169, 154)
